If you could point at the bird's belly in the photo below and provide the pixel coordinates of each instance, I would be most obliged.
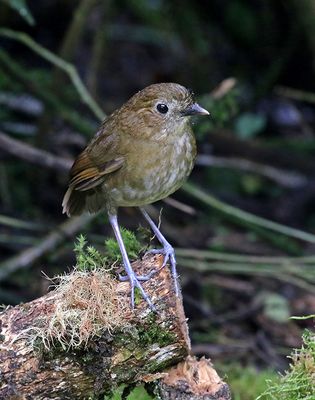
(156, 177)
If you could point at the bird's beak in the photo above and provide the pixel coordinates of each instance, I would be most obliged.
(195, 109)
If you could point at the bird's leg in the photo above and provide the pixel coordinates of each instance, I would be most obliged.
(134, 280)
(167, 250)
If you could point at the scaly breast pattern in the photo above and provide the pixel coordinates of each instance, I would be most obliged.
(157, 171)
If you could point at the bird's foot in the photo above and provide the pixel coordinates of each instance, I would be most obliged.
(135, 283)
(140, 278)
(169, 256)
(130, 274)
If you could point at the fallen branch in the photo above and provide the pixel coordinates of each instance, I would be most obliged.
(82, 340)
(245, 216)
(33, 155)
(29, 256)
(225, 142)
(285, 178)
(295, 94)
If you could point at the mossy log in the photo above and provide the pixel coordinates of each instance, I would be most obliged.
(48, 353)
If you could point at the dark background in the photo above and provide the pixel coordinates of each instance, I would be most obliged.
(258, 147)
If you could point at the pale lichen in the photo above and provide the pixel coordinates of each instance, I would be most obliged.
(87, 304)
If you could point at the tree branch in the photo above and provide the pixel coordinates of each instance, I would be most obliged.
(60, 63)
(33, 155)
(245, 216)
(27, 257)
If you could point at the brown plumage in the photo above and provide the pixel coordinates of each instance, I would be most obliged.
(142, 153)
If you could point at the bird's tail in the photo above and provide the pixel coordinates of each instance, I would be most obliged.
(76, 202)
(73, 202)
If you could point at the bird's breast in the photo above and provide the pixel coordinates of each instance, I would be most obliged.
(153, 171)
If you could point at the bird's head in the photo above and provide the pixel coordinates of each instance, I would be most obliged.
(159, 110)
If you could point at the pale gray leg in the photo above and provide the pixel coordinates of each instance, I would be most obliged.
(134, 281)
(167, 250)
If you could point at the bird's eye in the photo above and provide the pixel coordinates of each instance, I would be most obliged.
(162, 108)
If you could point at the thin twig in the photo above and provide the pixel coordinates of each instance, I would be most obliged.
(245, 216)
(225, 141)
(75, 29)
(17, 223)
(13, 241)
(71, 39)
(306, 272)
(185, 208)
(60, 63)
(241, 258)
(264, 270)
(282, 177)
(32, 154)
(99, 47)
(17, 72)
(223, 88)
(48, 244)
(295, 94)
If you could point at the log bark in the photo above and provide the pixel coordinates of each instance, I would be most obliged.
(138, 347)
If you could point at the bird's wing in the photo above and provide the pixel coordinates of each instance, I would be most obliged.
(85, 174)
(99, 159)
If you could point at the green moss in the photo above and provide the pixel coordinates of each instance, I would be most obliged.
(135, 341)
(87, 357)
(88, 257)
(133, 246)
(142, 336)
(127, 338)
(138, 296)
(298, 383)
(152, 332)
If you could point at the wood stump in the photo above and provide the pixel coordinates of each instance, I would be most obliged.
(41, 356)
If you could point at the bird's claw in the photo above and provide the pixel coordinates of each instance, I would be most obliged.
(169, 256)
(135, 283)
(140, 278)
(167, 251)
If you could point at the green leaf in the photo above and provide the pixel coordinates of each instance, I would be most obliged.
(276, 307)
(249, 125)
(22, 8)
(139, 393)
(252, 184)
(117, 393)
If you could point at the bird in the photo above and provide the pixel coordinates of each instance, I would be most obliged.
(142, 153)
